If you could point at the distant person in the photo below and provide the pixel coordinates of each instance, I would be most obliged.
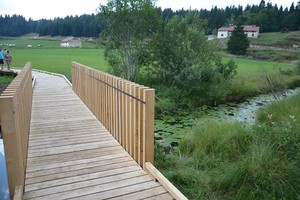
(1, 58)
(8, 58)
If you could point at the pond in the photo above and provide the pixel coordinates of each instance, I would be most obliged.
(171, 129)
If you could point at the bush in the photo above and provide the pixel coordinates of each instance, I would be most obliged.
(298, 67)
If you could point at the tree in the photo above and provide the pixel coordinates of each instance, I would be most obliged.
(238, 41)
(184, 60)
(130, 24)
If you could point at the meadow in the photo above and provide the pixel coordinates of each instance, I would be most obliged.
(278, 39)
(51, 57)
(59, 60)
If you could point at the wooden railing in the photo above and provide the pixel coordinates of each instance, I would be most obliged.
(125, 108)
(15, 115)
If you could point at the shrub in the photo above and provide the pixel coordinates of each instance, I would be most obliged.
(298, 67)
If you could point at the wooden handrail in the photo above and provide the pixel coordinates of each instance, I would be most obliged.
(15, 115)
(151, 170)
(125, 108)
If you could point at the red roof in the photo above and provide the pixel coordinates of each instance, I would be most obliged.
(247, 28)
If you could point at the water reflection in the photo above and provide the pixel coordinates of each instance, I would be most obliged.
(4, 192)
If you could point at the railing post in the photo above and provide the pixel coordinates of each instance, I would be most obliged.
(12, 144)
(149, 95)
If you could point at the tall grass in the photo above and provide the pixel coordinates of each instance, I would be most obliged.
(222, 160)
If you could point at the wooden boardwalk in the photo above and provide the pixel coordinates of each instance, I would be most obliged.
(72, 156)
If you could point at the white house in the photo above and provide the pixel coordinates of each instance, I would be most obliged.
(250, 30)
(71, 42)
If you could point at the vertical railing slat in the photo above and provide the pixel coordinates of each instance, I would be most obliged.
(124, 108)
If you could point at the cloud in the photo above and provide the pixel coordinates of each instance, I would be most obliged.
(38, 9)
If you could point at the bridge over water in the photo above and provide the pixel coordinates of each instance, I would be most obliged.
(89, 140)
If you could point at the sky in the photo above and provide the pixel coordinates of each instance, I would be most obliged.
(43, 9)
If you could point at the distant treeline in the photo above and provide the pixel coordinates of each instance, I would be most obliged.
(267, 16)
(84, 26)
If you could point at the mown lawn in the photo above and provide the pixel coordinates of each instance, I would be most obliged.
(46, 54)
(250, 67)
(278, 39)
(278, 36)
(39, 43)
(59, 60)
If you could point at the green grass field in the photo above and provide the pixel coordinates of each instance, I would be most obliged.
(250, 67)
(46, 54)
(59, 60)
(50, 57)
(44, 43)
(278, 36)
(284, 40)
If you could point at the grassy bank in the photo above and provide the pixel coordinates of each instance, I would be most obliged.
(222, 160)
(251, 76)
(278, 39)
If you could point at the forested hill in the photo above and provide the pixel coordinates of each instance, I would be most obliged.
(84, 26)
(267, 16)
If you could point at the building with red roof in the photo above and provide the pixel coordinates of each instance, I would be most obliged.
(250, 30)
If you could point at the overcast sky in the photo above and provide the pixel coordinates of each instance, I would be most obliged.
(38, 9)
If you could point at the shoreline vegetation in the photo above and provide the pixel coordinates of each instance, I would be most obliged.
(222, 159)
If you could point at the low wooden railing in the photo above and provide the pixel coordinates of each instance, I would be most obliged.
(15, 115)
(125, 108)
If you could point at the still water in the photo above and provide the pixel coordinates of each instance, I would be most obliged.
(4, 192)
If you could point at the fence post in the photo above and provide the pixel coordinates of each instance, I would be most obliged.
(12, 144)
(149, 95)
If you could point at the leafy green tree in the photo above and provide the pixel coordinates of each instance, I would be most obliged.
(183, 58)
(130, 23)
(238, 41)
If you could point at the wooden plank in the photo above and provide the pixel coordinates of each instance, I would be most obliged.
(158, 193)
(149, 125)
(78, 172)
(165, 182)
(96, 186)
(74, 155)
(70, 148)
(78, 178)
(140, 191)
(69, 168)
(35, 168)
(18, 195)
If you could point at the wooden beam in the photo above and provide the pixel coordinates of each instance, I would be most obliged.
(152, 171)
(12, 145)
(18, 193)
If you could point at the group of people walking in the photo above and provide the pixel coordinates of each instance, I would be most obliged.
(7, 57)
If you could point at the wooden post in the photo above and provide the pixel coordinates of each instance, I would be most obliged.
(12, 145)
(149, 95)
